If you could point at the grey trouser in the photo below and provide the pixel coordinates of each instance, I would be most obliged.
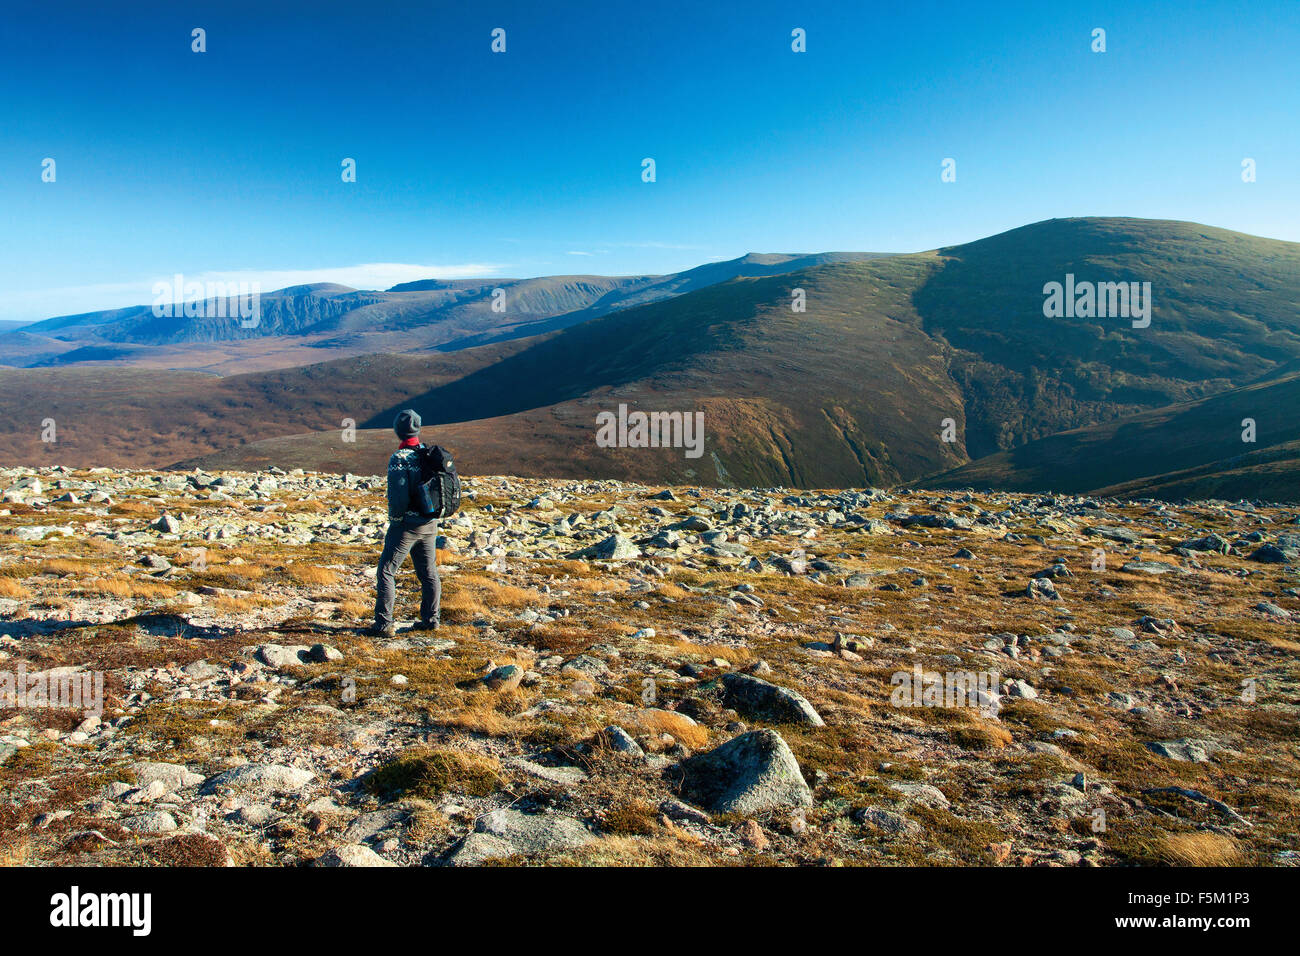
(419, 540)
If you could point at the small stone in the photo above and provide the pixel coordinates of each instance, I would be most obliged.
(1184, 750)
(148, 794)
(751, 834)
(923, 793)
(886, 821)
(278, 656)
(505, 678)
(622, 742)
(1042, 589)
(352, 855)
(172, 776)
(617, 547)
(255, 815)
(509, 832)
(167, 524)
(155, 821)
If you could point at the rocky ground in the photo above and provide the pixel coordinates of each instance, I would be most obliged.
(632, 675)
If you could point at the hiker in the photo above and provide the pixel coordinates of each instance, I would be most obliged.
(409, 531)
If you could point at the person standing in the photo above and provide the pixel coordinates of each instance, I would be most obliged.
(409, 532)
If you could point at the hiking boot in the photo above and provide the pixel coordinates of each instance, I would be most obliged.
(425, 626)
(380, 630)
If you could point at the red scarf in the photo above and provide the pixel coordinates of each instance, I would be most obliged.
(412, 442)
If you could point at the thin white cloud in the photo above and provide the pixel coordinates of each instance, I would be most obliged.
(33, 304)
(373, 275)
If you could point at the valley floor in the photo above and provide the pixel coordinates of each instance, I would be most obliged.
(634, 675)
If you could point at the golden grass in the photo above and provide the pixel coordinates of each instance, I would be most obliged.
(734, 655)
(9, 588)
(226, 604)
(1197, 849)
(670, 590)
(132, 508)
(678, 848)
(632, 817)
(308, 506)
(185, 731)
(15, 852)
(981, 737)
(594, 584)
(61, 566)
(484, 711)
(560, 638)
(579, 568)
(312, 574)
(478, 718)
(239, 577)
(461, 607)
(121, 586)
(654, 721)
(354, 609)
(492, 593)
(851, 705)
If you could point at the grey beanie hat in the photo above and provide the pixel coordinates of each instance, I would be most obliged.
(407, 423)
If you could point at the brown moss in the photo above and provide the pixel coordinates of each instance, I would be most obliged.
(631, 818)
(427, 772)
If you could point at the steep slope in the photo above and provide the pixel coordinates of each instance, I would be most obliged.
(1192, 450)
(849, 391)
(1270, 474)
(857, 388)
(1226, 309)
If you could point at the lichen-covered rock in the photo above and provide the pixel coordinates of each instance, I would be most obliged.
(506, 832)
(762, 700)
(260, 778)
(748, 774)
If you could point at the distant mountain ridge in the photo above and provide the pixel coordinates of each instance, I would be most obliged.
(937, 366)
(442, 314)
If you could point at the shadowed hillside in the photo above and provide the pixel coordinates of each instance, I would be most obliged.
(786, 393)
(1193, 450)
(115, 416)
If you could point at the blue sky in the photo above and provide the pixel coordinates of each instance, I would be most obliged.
(227, 163)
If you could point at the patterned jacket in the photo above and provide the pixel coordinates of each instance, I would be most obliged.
(403, 476)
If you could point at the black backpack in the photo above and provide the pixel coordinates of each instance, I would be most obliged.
(438, 493)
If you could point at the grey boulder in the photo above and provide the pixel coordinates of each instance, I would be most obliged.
(751, 773)
(171, 775)
(617, 547)
(260, 778)
(1185, 750)
(352, 855)
(765, 701)
(505, 832)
